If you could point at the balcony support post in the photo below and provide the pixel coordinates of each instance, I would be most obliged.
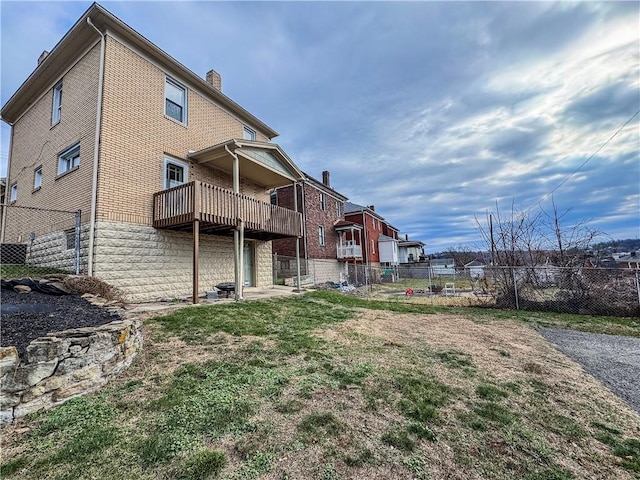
(196, 253)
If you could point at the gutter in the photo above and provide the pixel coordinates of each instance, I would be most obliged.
(4, 206)
(96, 152)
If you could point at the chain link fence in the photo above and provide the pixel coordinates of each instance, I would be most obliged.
(581, 290)
(38, 241)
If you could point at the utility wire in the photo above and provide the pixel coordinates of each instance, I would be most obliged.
(544, 197)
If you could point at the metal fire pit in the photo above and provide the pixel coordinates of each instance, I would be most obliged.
(227, 288)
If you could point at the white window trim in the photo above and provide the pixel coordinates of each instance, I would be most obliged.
(37, 178)
(321, 235)
(13, 192)
(177, 84)
(179, 163)
(248, 133)
(63, 158)
(56, 106)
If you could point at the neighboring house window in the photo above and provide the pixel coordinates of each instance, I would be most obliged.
(321, 235)
(338, 209)
(13, 193)
(57, 104)
(69, 159)
(248, 134)
(175, 100)
(273, 197)
(175, 173)
(323, 202)
(37, 178)
(71, 238)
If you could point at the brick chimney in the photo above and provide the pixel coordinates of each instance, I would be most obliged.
(326, 178)
(214, 79)
(42, 56)
(372, 208)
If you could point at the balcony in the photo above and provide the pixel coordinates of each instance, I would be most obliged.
(349, 251)
(220, 211)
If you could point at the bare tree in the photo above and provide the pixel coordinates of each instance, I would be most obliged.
(534, 248)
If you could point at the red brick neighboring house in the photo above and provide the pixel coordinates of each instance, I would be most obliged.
(322, 244)
(374, 227)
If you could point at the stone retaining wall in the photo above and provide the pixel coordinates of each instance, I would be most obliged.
(64, 365)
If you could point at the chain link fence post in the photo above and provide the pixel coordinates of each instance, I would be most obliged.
(515, 288)
(77, 246)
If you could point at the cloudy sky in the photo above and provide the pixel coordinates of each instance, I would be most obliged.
(431, 111)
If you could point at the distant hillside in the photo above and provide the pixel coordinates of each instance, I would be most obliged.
(614, 246)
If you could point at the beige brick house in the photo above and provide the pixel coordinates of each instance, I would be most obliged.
(172, 177)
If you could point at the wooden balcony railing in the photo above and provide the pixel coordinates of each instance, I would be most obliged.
(350, 251)
(220, 211)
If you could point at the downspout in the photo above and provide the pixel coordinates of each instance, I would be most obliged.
(295, 205)
(96, 152)
(237, 248)
(6, 202)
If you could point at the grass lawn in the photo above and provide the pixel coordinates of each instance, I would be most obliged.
(328, 386)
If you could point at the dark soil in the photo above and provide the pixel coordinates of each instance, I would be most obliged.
(47, 314)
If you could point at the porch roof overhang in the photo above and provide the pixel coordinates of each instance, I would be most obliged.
(344, 226)
(263, 163)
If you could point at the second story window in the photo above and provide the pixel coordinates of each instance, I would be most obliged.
(248, 134)
(57, 104)
(175, 105)
(338, 209)
(37, 178)
(69, 159)
(321, 235)
(13, 193)
(323, 202)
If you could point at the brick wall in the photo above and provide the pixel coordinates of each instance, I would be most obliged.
(37, 143)
(137, 135)
(314, 217)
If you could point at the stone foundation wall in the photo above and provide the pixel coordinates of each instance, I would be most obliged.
(64, 365)
(50, 250)
(323, 271)
(147, 263)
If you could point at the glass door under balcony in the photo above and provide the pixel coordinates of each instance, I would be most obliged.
(248, 261)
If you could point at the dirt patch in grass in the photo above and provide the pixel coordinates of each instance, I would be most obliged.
(383, 395)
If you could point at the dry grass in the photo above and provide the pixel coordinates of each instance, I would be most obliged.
(92, 285)
(506, 404)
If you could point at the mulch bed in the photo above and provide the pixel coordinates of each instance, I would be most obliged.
(57, 313)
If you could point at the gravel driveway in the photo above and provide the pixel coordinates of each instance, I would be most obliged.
(614, 360)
